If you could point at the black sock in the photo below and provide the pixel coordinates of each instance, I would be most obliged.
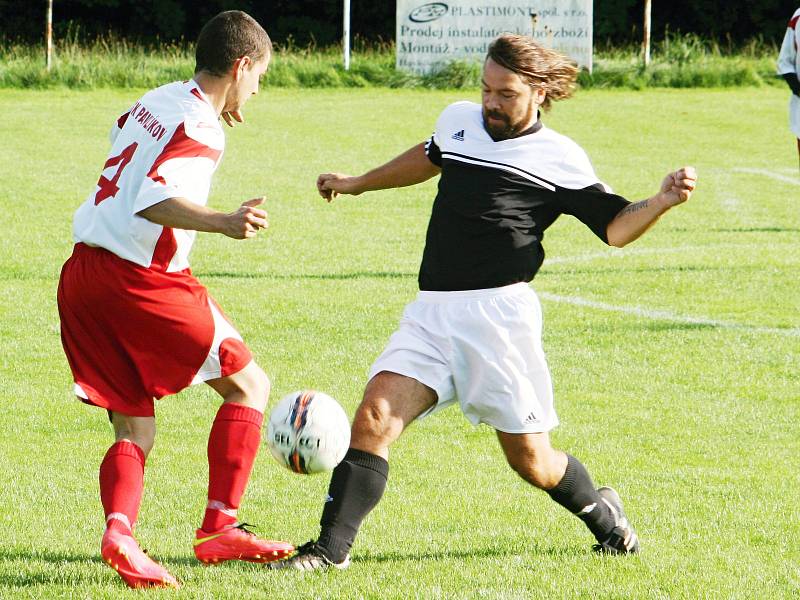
(357, 485)
(576, 493)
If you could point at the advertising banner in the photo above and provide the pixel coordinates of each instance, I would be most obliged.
(430, 34)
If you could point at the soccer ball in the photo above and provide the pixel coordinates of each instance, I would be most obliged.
(308, 432)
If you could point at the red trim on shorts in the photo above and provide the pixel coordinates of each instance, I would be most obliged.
(181, 145)
(793, 21)
(233, 356)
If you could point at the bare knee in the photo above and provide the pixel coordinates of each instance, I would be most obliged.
(543, 472)
(249, 387)
(255, 388)
(372, 425)
(391, 402)
(533, 458)
(139, 430)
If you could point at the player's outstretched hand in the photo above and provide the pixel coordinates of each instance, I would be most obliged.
(330, 185)
(678, 186)
(231, 116)
(246, 220)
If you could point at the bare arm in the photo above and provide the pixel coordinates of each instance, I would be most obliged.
(633, 220)
(181, 213)
(411, 167)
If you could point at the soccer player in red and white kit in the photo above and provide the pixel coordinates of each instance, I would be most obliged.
(789, 69)
(136, 325)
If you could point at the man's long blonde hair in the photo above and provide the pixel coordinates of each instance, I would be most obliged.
(536, 65)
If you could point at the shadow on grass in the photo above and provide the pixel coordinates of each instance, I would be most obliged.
(675, 326)
(756, 230)
(558, 270)
(50, 574)
(38, 276)
(534, 550)
(320, 276)
(49, 556)
(640, 324)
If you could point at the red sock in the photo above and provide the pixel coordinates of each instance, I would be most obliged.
(232, 447)
(121, 485)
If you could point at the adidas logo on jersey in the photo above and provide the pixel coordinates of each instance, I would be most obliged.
(458, 136)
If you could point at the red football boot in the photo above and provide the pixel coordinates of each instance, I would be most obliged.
(123, 554)
(234, 542)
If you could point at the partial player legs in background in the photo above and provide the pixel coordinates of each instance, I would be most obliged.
(391, 402)
(232, 447)
(798, 149)
(568, 483)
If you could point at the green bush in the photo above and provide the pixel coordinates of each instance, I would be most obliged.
(680, 60)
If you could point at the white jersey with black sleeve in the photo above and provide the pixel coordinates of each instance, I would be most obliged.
(167, 145)
(496, 198)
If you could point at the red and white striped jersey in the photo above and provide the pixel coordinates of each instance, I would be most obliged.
(789, 58)
(167, 145)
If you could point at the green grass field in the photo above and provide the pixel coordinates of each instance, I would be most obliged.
(675, 361)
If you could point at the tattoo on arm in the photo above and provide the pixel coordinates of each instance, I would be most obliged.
(635, 207)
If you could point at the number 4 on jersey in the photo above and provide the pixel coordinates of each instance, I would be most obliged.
(108, 187)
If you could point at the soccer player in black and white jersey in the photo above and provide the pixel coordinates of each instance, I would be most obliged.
(473, 335)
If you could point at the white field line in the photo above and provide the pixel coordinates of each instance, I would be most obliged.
(656, 315)
(770, 174)
(731, 204)
(786, 170)
(665, 315)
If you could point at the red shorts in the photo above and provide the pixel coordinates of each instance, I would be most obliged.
(132, 334)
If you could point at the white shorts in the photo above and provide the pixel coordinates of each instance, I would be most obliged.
(794, 115)
(482, 348)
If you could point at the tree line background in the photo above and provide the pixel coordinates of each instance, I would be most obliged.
(302, 22)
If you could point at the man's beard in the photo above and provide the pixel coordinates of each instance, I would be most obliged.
(505, 130)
